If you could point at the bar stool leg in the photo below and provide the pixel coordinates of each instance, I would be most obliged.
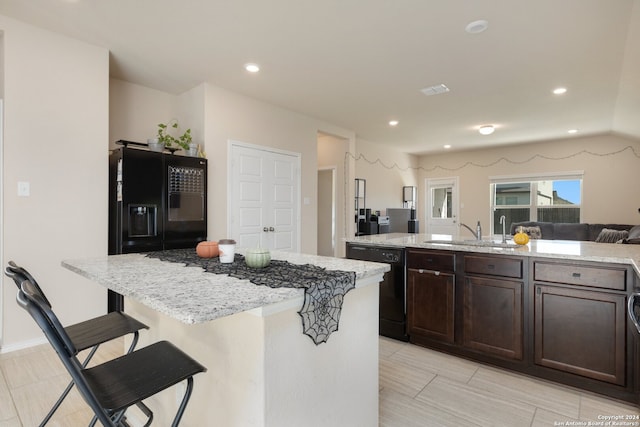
(66, 391)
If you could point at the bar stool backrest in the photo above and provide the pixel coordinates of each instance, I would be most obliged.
(19, 274)
(31, 300)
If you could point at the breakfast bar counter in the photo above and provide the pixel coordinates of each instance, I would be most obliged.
(262, 369)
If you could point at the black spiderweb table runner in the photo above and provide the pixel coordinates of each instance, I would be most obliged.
(324, 289)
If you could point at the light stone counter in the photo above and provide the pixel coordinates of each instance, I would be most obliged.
(191, 295)
(556, 249)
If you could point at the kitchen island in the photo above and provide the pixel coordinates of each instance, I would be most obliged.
(262, 369)
(553, 309)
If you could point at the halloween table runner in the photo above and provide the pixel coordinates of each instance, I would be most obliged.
(324, 290)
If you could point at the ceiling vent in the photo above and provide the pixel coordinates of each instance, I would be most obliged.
(435, 90)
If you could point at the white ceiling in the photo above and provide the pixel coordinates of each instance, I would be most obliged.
(360, 63)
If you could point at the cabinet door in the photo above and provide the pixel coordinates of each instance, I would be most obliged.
(431, 304)
(582, 332)
(493, 316)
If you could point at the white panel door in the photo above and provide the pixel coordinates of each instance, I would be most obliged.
(264, 198)
(442, 206)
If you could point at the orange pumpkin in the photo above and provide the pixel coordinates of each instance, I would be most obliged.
(207, 249)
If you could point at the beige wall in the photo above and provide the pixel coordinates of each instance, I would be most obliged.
(55, 137)
(230, 116)
(217, 116)
(386, 172)
(610, 190)
(135, 111)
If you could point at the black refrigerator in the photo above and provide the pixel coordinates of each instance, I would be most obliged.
(157, 201)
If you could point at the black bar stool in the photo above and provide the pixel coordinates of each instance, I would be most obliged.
(84, 335)
(114, 386)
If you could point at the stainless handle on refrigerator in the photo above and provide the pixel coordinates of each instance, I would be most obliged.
(630, 311)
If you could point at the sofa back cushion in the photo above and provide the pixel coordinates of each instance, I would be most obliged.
(569, 231)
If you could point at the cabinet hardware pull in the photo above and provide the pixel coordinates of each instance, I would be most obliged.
(491, 266)
(538, 291)
(631, 311)
(576, 274)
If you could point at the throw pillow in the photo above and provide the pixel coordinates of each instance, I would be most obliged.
(533, 232)
(634, 233)
(608, 235)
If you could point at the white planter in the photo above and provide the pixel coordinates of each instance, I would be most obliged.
(154, 145)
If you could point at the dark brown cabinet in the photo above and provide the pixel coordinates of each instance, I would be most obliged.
(581, 328)
(559, 319)
(432, 310)
(493, 305)
(431, 295)
(493, 316)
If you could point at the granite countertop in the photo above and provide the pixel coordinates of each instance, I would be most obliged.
(191, 295)
(556, 249)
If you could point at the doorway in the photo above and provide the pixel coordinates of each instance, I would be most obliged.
(263, 197)
(327, 212)
(332, 155)
(442, 206)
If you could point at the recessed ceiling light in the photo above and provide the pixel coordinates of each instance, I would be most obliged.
(560, 90)
(435, 90)
(476, 27)
(393, 123)
(446, 147)
(572, 131)
(486, 129)
(252, 68)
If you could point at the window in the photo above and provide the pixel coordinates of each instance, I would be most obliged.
(554, 198)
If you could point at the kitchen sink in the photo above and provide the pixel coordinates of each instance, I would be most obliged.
(481, 243)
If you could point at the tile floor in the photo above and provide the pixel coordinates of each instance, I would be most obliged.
(422, 387)
(418, 387)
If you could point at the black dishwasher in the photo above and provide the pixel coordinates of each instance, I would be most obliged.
(393, 313)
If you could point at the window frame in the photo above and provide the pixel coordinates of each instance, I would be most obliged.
(532, 180)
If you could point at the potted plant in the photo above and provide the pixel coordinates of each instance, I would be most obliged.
(167, 140)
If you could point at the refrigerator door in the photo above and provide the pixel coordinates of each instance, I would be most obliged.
(135, 201)
(185, 220)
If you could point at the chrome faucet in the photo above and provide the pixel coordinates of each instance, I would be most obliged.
(477, 234)
(503, 221)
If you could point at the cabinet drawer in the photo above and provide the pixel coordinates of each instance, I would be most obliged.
(493, 266)
(431, 260)
(597, 277)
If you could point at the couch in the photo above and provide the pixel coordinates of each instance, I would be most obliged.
(580, 231)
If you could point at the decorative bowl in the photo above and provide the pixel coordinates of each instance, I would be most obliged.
(257, 258)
